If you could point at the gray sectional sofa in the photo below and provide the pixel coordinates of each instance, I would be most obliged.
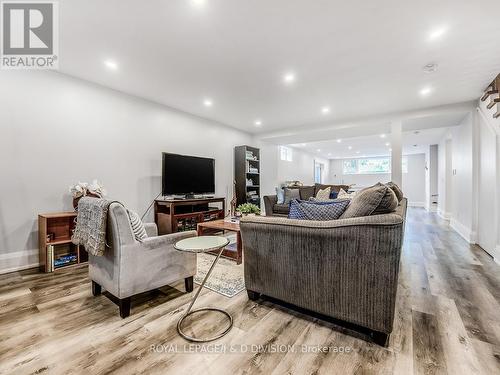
(273, 208)
(345, 269)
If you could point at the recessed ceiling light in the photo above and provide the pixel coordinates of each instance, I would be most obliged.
(319, 150)
(339, 140)
(350, 147)
(289, 78)
(430, 68)
(198, 3)
(425, 91)
(208, 103)
(325, 110)
(382, 135)
(258, 123)
(303, 145)
(438, 33)
(357, 152)
(387, 144)
(110, 64)
(390, 150)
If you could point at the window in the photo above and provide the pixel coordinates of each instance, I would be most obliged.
(318, 172)
(286, 153)
(371, 165)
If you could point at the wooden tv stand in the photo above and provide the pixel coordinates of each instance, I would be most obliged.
(175, 215)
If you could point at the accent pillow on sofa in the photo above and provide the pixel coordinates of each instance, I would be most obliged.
(323, 194)
(388, 203)
(365, 202)
(333, 189)
(395, 188)
(314, 210)
(137, 226)
(280, 195)
(291, 194)
(345, 195)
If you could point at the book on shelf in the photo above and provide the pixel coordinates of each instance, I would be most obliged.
(251, 168)
(49, 263)
(65, 259)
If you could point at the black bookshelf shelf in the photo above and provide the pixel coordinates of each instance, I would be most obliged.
(246, 158)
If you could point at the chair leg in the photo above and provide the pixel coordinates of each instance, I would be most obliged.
(124, 307)
(254, 296)
(96, 288)
(188, 282)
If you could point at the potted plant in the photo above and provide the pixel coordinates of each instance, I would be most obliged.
(84, 189)
(248, 209)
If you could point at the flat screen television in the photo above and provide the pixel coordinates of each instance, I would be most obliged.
(187, 175)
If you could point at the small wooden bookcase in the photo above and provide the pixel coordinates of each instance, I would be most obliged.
(54, 242)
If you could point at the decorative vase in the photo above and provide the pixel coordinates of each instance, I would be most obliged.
(76, 200)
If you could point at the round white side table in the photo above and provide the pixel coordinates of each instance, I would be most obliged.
(203, 244)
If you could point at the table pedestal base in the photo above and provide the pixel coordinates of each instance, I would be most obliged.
(195, 339)
(189, 311)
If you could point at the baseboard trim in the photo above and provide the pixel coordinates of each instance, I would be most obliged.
(18, 261)
(19, 268)
(416, 204)
(443, 215)
(464, 232)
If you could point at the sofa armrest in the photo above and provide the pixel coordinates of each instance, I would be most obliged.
(166, 239)
(269, 202)
(151, 229)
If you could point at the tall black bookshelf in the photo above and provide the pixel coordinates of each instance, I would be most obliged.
(247, 174)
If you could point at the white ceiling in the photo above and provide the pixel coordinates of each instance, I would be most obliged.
(359, 58)
(373, 145)
(419, 135)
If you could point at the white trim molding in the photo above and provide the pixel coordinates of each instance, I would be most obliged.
(417, 204)
(464, 232)
(18, 260)
(443, 215)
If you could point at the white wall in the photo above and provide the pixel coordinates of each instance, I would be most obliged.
(413, 182)
(488, 191)
(445, 177)
(56, 131)
(462, 201)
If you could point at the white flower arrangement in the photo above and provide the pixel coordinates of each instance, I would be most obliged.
(82, 189)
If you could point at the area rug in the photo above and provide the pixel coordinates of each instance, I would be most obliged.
(226, 278)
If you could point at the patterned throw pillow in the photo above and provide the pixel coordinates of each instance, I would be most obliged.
(137, 226)
(321, 211)
(345, 195)
(323, 195)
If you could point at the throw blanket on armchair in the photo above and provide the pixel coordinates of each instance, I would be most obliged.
(91, 223)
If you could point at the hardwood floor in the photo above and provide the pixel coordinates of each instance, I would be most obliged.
(447, 321)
